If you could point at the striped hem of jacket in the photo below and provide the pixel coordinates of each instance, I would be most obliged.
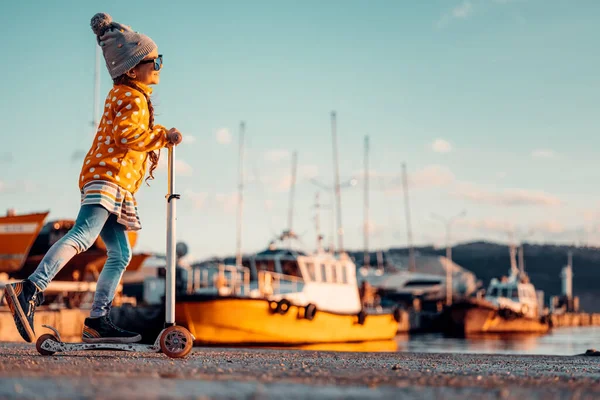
(115, 199)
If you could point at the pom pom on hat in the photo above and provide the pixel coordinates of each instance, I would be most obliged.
(122, 48)
(100, 23)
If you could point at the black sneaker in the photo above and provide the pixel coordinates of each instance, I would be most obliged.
(22, 299)
(102, 330)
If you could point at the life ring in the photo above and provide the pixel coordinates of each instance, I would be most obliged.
(283, 306)
(310, 311)
(362, 316)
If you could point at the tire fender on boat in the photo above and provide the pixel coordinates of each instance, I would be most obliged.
(283, 306)
(310, 311)
(273, 305)
(397, 314)
(362, 317)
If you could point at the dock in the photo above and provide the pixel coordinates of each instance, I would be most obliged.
(294, 374)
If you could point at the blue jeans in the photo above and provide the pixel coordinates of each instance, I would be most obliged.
(93, 220)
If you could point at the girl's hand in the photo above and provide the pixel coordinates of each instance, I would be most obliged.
(174, 136)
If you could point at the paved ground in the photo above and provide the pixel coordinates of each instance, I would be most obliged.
(294, 374)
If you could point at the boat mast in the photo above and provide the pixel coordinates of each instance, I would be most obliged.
(367, 258)
(411, 252)
(292, 187)
(318, 223)
(338, 195)
(238, 257)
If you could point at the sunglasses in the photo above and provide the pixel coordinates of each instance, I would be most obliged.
(158, 62)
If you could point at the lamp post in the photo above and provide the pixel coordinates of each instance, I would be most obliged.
(448, 224)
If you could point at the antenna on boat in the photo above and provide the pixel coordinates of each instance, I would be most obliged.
(338, 195)
(238, 257)
(367, 257)
(292, 187)
(411, 251)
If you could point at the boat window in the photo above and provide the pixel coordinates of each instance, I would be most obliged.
(334, 274)
(324, 273)
(344, 276)
(265, 265)
(312, 273)
(290, 268)
(494, 292)
(514, 294)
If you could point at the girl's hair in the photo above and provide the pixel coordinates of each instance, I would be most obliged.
(154, 155)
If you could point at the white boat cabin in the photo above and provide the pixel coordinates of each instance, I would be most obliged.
(320, 278)
(516, 294)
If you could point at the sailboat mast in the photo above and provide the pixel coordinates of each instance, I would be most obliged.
(411, 252)
(238, 257)
(367, 258)
(338, 195)
(292, 187)
(318, 223)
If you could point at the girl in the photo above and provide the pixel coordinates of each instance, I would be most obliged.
(112, 172)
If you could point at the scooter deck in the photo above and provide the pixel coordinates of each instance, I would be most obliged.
(58, 346)
(61, 347)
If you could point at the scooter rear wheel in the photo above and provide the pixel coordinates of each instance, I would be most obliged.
(176, 342)
(41, 340)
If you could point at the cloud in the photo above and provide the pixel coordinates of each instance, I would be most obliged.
(223, 136)
(198, 198)
(430, 176)
(17, 187)
(551, 226)
(427, 177)
(461, 11)
(506, 197)
(276, 155)
(283, 184)
(543, 153)
(441, 146)
(225, 202)
(182, 168)
(189, 139)
(488, 225)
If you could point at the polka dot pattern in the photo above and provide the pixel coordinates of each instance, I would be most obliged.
(123, 140)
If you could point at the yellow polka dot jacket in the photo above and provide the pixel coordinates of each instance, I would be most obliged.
(121, 145)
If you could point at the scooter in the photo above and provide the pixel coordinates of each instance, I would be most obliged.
(174, 341)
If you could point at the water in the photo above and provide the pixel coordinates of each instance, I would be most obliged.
(560, 341)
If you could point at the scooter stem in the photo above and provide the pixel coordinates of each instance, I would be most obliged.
(171, 260)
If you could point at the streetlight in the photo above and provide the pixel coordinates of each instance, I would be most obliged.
(448, 223)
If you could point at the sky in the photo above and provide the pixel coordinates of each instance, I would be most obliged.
(492, 105)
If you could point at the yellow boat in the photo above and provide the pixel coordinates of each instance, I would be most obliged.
(281, 297)
(231, 320)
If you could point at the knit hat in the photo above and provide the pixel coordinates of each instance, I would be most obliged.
(123, 48)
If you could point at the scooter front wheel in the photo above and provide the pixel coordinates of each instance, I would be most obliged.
(40, 341)
(176, 342)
